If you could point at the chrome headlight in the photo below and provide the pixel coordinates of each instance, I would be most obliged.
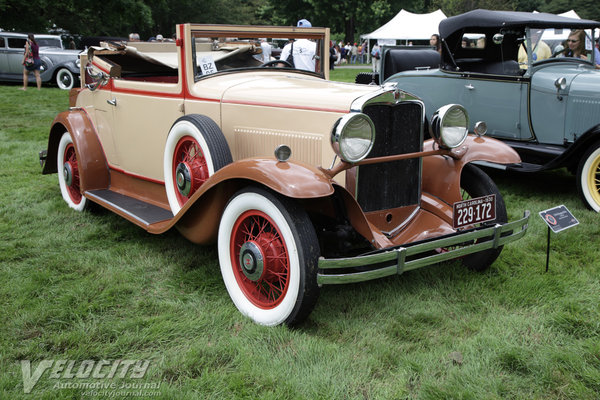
(353, 137)
(449, 126)
(78, 63)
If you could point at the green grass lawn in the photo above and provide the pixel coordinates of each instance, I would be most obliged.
(92, 286)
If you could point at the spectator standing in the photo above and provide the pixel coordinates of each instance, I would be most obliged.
(266, 50)
(376, 54)
(302, 51)
(134, 37)
(576, 45)
(435, 42)
(353, 53)
(348, 50)
(361, 53)
(31, 62)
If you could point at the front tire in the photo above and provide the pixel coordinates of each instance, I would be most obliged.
(268, 253)
(65, 79)
(195, 150)
(588, 178)
(476, 183)
(69, 178)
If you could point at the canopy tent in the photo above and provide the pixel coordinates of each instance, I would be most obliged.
(408, 26)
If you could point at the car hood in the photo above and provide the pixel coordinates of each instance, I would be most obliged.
(581, 80)
(60, 52)
(297, 91)
(586, 84)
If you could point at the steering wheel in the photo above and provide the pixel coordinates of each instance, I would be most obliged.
(275, 62)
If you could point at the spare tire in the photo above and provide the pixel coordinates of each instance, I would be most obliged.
(367, 78)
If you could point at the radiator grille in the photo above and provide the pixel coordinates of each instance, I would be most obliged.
(392, 184)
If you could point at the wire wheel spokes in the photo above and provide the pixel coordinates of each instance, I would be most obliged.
(190, 169)
(594, 180)
(71, 173)
(260, 259)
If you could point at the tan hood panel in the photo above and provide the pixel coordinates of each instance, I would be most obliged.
(296, 91)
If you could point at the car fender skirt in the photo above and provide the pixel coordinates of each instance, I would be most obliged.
(94, 172)
(198, 219)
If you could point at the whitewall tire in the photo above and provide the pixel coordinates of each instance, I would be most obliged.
(69, 177)
(268, 253)
(194, 151)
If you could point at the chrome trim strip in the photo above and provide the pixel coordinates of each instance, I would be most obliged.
(396, 257)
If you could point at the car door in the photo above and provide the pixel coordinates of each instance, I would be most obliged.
(143, 114)
(3, 56)
(498, 101)
(14, 53)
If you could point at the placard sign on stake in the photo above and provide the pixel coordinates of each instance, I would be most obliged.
(558, 219)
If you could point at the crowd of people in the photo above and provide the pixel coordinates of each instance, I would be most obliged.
(303, 55)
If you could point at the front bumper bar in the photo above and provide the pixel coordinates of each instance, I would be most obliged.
(405, 258)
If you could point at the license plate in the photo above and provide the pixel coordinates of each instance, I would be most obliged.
(474, 211)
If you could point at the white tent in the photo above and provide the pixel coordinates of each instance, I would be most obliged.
(408, 26)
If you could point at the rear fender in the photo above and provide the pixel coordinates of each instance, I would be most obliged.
(93, 168)
(446, 185)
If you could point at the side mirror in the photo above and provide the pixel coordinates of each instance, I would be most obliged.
(498, 38)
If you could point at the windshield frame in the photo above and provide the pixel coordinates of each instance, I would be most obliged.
(247, 36)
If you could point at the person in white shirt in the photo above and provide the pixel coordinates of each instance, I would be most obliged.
(302, 51)
(266, 50)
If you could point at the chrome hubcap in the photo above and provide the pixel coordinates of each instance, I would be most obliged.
(252, 261)
(183, 177)
(68, 173)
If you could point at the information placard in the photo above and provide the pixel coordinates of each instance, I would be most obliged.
(558, 218)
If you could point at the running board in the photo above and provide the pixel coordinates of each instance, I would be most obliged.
(137, 211)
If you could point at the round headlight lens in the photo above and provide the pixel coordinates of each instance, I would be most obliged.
(450, 126)
(353, 137)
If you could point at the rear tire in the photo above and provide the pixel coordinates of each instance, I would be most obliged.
(69, 178)
(65, 79)
(588, 178)
(367, 78)
(476, 183)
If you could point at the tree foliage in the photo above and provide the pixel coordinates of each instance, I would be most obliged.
(348, 17)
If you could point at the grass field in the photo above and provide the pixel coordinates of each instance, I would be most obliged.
(92, 286)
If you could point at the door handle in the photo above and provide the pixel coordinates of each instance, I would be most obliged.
(470, 87)
(112, 102)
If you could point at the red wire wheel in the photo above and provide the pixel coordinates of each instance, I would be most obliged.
(260, 260)
(71, 173)
(190, 169)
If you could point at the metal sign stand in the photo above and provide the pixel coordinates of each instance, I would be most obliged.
(548, 250)
(558, 219)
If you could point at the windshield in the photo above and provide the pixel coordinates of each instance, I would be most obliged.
(273, 47)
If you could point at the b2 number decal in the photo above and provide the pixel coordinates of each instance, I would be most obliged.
(207, 65)
(474, 211)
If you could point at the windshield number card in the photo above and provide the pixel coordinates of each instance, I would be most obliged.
(474, 211)
(558, 218)
(207, 65)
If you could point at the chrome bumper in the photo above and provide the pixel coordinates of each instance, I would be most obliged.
(397, 260)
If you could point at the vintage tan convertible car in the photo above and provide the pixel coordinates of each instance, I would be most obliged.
(301, 181)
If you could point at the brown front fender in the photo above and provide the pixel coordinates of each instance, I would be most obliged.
(93, 168)
(198, 220)
(441, 174)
